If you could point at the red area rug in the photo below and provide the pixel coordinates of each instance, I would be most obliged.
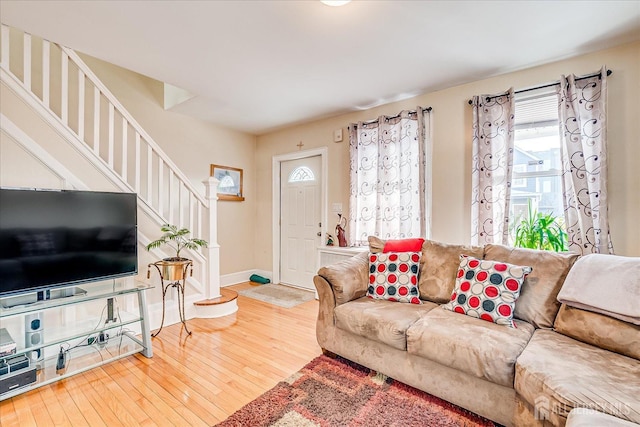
(336, 392)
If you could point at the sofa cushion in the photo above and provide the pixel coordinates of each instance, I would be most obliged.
(583, 417)
(599, 330)
(393, 276)
(348, 278)
(438, 269)
(487, 290)
(379, 320)
(376, 244)
(556, 373)
(537, 304)
(479, 348)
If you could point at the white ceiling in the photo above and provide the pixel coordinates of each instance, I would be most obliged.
(260, 65)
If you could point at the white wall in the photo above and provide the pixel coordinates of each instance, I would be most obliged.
(452, 123)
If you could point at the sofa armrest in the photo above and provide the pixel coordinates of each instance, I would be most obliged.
(349, 278)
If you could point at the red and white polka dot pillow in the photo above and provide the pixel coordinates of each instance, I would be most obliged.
(487, 290)
(394, 276)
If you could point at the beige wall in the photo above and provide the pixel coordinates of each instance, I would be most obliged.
(193, 145)
(452, 148)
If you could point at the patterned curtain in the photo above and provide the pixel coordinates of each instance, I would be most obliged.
(388, 161)
(492, 163)
(582, 115)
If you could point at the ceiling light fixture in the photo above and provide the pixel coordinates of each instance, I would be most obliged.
(335, 2)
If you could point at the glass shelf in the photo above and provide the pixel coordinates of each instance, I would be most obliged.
(82, 359)
(66, 333)
(93, 291)
(73, 320)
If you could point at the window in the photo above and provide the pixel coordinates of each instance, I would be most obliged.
(301, 173)
(537, 167)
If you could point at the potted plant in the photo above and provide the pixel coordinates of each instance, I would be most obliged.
(541, 231)
(174, 268)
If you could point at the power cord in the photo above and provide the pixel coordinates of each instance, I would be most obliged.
(101, 340)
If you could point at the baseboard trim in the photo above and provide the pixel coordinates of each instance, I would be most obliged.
(242, 276)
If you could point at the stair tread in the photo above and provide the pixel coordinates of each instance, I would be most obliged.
(226, 296)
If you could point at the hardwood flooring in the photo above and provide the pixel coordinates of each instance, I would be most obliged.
(196, 380)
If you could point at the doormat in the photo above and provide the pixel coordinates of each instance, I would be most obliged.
(280, 295)
(337, 392)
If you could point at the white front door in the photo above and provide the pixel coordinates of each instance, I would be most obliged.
(300, 220)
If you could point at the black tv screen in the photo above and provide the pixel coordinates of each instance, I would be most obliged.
(58, 238)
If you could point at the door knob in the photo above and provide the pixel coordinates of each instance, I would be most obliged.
(319, 234)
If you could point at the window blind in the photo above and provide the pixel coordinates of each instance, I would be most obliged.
(536, 110)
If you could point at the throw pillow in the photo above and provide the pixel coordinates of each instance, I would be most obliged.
(487, 290)
(393, 276)
(403, 245)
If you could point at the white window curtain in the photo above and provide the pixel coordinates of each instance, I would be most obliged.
(388, 162)
(582, 113)
(492, 164)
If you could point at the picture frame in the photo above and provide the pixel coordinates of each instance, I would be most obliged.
(230, 185)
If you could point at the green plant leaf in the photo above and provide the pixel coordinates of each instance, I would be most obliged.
(540, 231)
(176, 239)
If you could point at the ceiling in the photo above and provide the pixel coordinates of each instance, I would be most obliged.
(257, 66)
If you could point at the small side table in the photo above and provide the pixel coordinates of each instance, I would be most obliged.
(174, 273)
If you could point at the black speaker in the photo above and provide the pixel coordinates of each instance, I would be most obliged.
(33, 336)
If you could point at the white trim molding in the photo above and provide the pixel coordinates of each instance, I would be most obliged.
(242, 276)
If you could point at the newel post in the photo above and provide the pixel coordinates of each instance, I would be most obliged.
(213, 249)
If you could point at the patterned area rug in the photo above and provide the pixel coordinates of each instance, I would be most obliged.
(336, 392)
(280, 295)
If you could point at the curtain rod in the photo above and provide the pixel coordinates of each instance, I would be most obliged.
(396, 116)
(609, 72)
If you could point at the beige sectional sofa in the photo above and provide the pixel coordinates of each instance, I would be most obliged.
(557, 358)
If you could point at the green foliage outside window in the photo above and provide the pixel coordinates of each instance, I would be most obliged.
(541, 231)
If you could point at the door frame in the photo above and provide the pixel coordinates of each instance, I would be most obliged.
(276, 199)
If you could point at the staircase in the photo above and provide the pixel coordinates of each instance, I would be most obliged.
(63, 91)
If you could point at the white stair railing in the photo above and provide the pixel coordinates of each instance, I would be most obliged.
(66, 86)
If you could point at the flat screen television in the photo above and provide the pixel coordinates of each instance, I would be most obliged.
(54, 238)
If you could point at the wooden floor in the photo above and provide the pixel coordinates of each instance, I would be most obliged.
(195, 380)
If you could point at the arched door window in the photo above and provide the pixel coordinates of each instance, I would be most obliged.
(300, 174)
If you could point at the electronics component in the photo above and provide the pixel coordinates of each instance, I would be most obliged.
(7, 344)
(17, 362)
(61, 364)
(16, 380)
(110, 315)
(34, 336)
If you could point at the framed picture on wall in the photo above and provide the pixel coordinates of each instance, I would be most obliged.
(230, 185)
